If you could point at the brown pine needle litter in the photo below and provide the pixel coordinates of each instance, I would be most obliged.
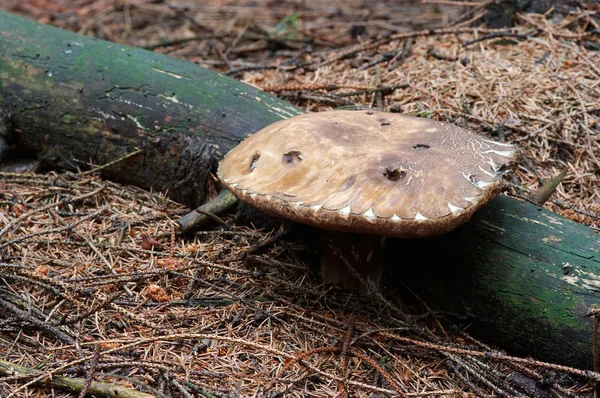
(108, 293)
(201, 314)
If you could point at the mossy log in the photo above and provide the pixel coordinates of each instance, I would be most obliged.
(75, 385)
(526, 277)
(68, 97)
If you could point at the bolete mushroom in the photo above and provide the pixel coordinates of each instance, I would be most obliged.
(368, 172)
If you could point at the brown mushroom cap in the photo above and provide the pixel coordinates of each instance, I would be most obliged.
(366, 171)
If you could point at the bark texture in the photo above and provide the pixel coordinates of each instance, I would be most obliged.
(524, 277)
(71, 99)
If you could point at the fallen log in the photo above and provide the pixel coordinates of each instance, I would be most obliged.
(72, 100)
(526, 277)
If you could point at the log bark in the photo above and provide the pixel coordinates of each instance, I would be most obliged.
(526, 277)
(75, 385)
(66, 96)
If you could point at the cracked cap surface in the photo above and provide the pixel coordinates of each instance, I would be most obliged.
(367, 171)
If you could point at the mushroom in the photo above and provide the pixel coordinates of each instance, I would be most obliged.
(368, 172)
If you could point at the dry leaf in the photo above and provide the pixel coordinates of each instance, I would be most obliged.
(19, 209)
(169, 263)
(42, 270)
(193, 248)
(157, 293)
(149, 242)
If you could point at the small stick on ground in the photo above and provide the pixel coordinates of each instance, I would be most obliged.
(208, 211)
(122, 158)
(26, 318)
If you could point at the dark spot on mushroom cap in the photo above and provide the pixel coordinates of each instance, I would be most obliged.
(421, 146)
(254, 161)
(292, 156)
(394, 174)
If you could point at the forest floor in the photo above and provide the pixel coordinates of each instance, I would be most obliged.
(215, 316)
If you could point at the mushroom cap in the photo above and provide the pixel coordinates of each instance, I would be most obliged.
(368, 172)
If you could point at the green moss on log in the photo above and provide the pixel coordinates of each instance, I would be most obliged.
(76, 98)
(524, 276)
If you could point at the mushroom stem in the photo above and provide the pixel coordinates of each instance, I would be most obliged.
(353, 261)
